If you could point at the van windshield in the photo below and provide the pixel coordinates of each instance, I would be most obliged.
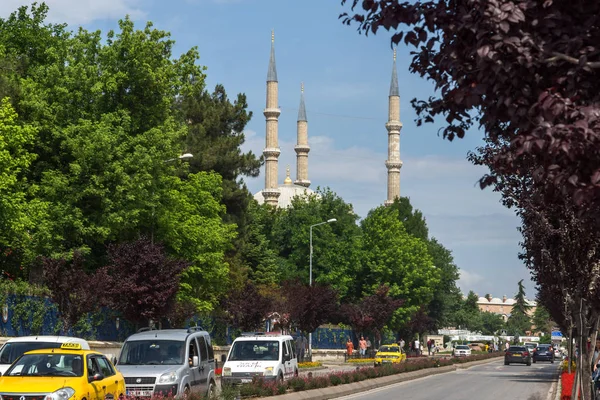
(254, 350)
(152, 352)
(11, 351)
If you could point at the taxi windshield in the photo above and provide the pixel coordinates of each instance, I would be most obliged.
(389, 349)
(255, 350)
(54, 364)
(11, 351)
(152, 352)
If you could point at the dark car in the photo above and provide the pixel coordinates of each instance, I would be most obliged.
(543, 352)
(517, 354)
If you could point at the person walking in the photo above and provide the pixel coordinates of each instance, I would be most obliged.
(349, 348)
(301, 347)
(417, 347)
(368, 346)
(362, 346)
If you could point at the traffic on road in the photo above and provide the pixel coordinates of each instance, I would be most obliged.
(483, 382)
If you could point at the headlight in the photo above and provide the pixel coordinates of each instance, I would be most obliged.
(168, 378)
(226, 371)
(268, 371)
(61, 394)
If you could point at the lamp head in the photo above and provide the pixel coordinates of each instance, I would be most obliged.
(186, 155)
(331, 220)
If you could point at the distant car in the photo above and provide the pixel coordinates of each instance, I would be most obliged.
(461, 350)
(558, 353)
(517, 354)
(543, 352)
(389, 354)
(530, 346)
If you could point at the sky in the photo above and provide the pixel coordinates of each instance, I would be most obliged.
(346, 80)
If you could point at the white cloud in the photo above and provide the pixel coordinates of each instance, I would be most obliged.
(468, 280)
(79, 12)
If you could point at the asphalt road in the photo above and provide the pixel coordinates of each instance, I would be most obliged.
(490, 381)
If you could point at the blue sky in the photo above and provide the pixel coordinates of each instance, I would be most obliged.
(346, 78)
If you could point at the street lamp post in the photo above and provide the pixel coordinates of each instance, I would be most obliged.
(181, 157)
(310, 272)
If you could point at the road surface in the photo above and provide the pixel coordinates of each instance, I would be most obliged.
(490, 381)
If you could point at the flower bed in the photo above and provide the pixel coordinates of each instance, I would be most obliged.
(566, 380)
(308, 364)
(361, 361)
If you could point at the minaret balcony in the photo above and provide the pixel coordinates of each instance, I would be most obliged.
(302, 182)
(271, 193)
(271, 153)
(271, 113)
(393, 166)
(393, 126)
(302, 148)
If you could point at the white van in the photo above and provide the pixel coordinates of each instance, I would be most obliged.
(269, 356)
(15, 347)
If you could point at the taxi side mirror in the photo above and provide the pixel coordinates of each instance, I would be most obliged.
(96, 378)
(114, 360)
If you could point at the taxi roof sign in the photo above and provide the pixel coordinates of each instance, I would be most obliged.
(70, 346)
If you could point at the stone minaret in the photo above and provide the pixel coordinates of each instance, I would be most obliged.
(271, 151)
(393, 126)
(302, 148)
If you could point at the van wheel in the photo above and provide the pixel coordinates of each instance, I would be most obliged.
(296, 373)
(186, 393)
(211, 393)
(280, 379)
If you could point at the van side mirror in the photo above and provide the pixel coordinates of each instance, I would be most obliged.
(223, 358)
(195, 361)
(114, 360)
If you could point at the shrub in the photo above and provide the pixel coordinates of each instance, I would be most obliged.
(297, 384)
(335, 379)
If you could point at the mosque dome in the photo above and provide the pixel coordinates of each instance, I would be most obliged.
(287, 192)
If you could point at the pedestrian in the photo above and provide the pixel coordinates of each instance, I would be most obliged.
(432, 347)
(506, 345)
(402, 343)
(349, 348)
(417, 347)
(301, 347)
(362, 346)
(368, 346)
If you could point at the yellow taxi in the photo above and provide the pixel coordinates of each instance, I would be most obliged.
(389, 354)
(68, 372)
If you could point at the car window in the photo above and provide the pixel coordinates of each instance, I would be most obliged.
(211, 353)
(202, 347)
(463, 347)
(148, 352)
(92, 366)
(105, 367)
(292, 349)
(11, 351)
(58, 365)
(389, 349)
(254, 350)
(517, 348)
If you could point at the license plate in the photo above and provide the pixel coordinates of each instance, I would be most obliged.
(246, 380)
(518, 355)
(139, 393)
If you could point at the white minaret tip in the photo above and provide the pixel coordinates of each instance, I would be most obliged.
(394, 91)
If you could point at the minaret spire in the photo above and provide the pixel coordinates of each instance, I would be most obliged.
(393, 126)
(302, 148)
(271, 112)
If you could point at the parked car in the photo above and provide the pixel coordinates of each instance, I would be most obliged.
(543, 352)
(461, 350)
(517, 354)
(166, 362)
(69, 372)
(16, 347)
(269, 356)
(389, 354)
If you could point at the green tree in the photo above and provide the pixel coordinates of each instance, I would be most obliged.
(542, 321)
(18, 214)
(447, 296)
(491, 323)
(519, 321)
(336, 246)
(393, 257)
(468, 316)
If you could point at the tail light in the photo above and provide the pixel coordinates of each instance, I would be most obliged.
(507, 354)
(526, 353)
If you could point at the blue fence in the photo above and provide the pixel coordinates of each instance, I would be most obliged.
(20, 319)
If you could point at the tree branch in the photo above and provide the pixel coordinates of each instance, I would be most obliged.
(559, 56)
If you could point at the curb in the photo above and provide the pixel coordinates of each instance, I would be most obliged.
(333, 392)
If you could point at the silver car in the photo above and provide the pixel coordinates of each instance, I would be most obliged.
(168, 362)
